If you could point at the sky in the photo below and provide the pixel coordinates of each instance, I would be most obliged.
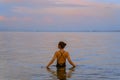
(59, 15)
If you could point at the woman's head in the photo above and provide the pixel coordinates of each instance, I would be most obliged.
(61, 45)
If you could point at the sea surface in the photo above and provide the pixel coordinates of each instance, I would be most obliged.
(24, 55)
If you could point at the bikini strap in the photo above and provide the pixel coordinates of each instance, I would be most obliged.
(62, 54)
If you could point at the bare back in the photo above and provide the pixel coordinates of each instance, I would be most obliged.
(61, 56)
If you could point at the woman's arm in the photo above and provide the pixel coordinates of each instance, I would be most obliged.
(69, 60)
(52, 60)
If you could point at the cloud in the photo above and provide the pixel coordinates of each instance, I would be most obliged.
(64, 3)
(62, 7)
(69, 15)
(51, 10)
(2, 18)
(64, 11)
(17, 19)
(14, 20)
(26, 21)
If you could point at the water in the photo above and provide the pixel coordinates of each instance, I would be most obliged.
(24, 55)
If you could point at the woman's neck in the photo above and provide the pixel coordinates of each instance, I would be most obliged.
(62, 50)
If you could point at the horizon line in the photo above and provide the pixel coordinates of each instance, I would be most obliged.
(63, 31)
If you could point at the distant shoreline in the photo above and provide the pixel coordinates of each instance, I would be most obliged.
(60, 31)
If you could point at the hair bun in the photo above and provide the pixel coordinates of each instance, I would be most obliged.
(62, 44)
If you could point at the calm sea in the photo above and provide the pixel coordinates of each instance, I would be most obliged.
(24, 55)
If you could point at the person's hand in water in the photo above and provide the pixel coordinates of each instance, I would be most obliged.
(47, 67)
(51, 71)
(69, 74)
(72, 68)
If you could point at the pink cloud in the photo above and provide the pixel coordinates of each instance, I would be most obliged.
(17, 19)
(2, 18)
(14, 20)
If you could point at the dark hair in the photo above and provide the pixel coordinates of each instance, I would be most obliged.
(62, 44)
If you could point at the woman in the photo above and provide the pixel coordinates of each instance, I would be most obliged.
(61, 55)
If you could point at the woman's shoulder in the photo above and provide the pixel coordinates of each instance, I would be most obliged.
(57, 51)
(66, 52)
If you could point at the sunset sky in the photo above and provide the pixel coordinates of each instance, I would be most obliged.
(59, 15)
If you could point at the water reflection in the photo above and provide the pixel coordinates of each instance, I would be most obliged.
(61, 72)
